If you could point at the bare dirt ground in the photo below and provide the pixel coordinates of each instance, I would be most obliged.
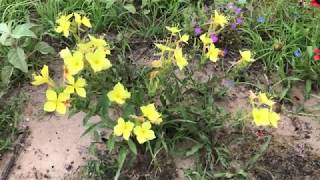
(54, 148)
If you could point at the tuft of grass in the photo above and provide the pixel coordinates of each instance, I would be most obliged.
(10, 116)
(288, 27)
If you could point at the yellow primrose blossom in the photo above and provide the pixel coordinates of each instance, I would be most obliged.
(246, 56)
(263, 99)
(66, 73)
(219, 19)
(206, 40)
(43, 78)
(65, 53)
(265, 117)
(76, 86)
(56, 102)
(173, 30)
(184, 38)
(163, 47)
(82, 20)
(99, 43)
(144, 132)
(213, 53)
(180, 60)
(118, 94)
(156, 63)
(151, 113)
(73, 63)
(123, 128)
(98, 60)
(63, 24)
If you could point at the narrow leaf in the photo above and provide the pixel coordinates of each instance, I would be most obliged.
(132, 146)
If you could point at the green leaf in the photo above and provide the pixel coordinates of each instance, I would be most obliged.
(194, 149)
(130, 8)
(91, 127)
(4, 28)
(109, 3)
(132, 146)
(44, 48)
(308, 88)
(111, 142)
(6, 73)
(23, 30)
(5, 34)
(121, 158)
(17, 58)
(310, 51)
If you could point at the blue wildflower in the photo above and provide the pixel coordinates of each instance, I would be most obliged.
(261, 19)
(297, 52)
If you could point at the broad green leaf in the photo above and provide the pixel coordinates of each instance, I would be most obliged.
(132, 146)
(5, 34)
(23, 30)
(17, 58)
(44, 48)
(6, 73)
(4, 28)
(130, 8)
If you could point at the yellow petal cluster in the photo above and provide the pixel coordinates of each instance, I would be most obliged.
(150, 112)
(118, 94)
(56, 102)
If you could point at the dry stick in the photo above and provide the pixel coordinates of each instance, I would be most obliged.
(17, 147)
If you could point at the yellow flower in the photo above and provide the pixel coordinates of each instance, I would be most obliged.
(156, 63)
(263, 99)
(144, 133)
(43, 78)
(274, 118)
(163, 47)
(119, 94)
(63, 25)
(205, 39)
(93, 44)
(213, 53)
(173, 30)
(246, 56)
(76, 86)
(82, 20)
(184, 38)
(98, 60)
(180, 60)
(56, 102)
(220, 20)
(65, 53)
(265, 117)
(151, 113)
(73, 63)
(123, 128)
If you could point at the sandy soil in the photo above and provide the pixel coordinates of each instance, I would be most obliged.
(54, 149)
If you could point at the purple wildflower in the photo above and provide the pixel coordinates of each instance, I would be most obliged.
(197, 30)
(214, 38)
(225, 51)
(230, 5)
(233, 26)
(239, 21)
(237, 10)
